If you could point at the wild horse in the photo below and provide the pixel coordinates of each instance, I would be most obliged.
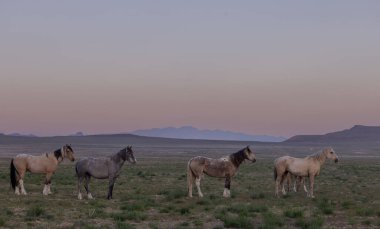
(102, 168)
(46, 163)
(224, 167)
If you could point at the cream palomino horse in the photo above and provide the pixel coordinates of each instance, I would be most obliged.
(309, 166)
(298, 181)
(46, 163)
(224, 167)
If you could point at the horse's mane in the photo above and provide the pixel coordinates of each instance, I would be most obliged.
(319, 156)
(238, 157)
(58, 153)
(121, 154)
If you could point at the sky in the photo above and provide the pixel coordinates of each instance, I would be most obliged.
(259, 67)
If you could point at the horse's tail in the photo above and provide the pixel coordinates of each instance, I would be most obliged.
(190, 175)
(13, 172)
(76, 170)
(275, 173)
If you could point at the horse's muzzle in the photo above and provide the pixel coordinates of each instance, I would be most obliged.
(254, 160)
(336, 160)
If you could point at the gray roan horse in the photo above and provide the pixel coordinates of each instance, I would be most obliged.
(224, 167)
(46, 163)
(102, 168)
(309, 166)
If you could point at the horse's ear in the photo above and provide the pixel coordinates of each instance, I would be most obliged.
(248, 148)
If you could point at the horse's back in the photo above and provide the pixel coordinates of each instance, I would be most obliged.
(298, 166)
(20, 161)
(96, 167)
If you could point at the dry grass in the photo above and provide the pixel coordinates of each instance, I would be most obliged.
(152, 194)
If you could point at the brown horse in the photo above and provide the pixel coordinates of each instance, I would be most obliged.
(46, 163)
(225, 167)
(309, 166)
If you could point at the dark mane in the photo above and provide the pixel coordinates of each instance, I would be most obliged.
(238, 157)
(69, 147)
(122, 154)
(58, 153)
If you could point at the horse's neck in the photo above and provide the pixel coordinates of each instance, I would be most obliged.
(52, 155)
(321, 157)
(236, 159)
(118, 160)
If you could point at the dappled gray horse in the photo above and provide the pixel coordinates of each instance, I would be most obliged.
(102, 168)
(224, 167)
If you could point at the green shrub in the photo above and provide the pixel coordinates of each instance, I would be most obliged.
(260, 195)
(272, 221)
(313, 223)
(293, 213)
(347, 204)
(136, 216)
(123, 225)
(237, 222)
(367, 222)
(184, 211)
(35, 211)
(365, 212)
(325, 206)
(2, 222)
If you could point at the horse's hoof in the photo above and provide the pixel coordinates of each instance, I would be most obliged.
(89, 196)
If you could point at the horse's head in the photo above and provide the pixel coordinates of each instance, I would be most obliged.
(129, 155)
(68, 152)
(249, 155)
(330, 154)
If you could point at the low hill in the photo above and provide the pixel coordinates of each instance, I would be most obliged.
(357, 133)
(189, 132)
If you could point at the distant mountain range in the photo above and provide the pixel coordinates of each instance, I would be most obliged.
(358, 133)
(189, 132)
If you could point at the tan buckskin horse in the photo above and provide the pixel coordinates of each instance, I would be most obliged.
(224, 167)
(46, 163)
(309, 166)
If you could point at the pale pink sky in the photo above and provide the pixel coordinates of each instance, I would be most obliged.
(258, 68)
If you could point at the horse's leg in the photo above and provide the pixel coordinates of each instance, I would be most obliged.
(295, 184)
(18, 187)
(198, 184)
(227, 187)
(190, 181)
(47, 190)
(282, 183)
(110, 187)
(311, 180)
(277, 184)
(21, 183)
(86, 186)
(289, 181)
(304, 184)
(80, 179)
